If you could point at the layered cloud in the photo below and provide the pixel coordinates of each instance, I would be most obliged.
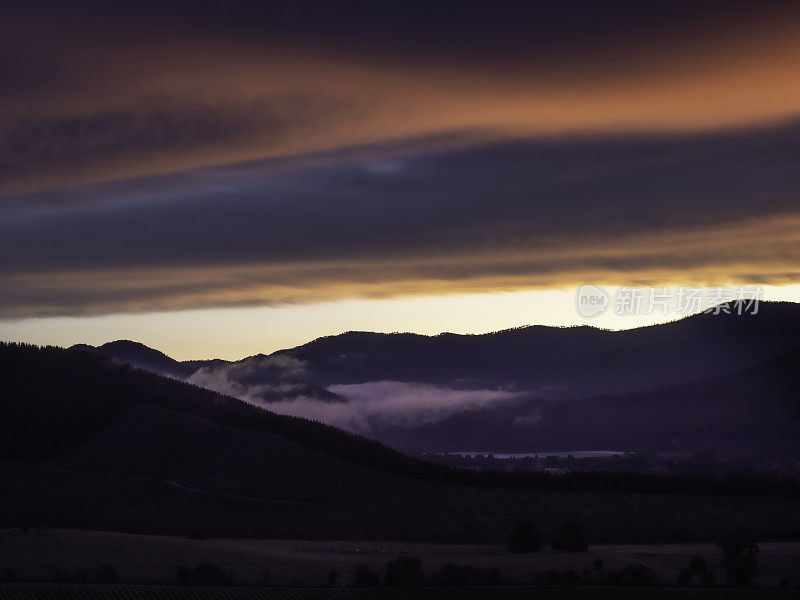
(160, 156)
(502, 216)
(105, 91)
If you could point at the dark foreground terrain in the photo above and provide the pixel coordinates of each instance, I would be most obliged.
(90, 445)
(83, 592)
(52, 563)
(717, 385)
(93, 445)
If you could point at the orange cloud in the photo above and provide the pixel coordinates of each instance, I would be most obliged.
(112, 109)
(765, 251)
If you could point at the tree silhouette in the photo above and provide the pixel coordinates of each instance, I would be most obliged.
(365, 577)
(570, 538)
(524, 538)
(404, 571)
(739, 549)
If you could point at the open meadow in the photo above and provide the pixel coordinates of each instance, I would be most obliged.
(35, 555)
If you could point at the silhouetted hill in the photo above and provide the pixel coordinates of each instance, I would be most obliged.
(538, 364)
(86, 442)
(259, 378)
(140, 356)
(547, 361)
(54, 398)
(752, 413)
(565, 362)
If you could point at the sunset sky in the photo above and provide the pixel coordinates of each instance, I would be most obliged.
(222, 179)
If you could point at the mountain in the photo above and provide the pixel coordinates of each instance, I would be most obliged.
(563, 361)
(55, 398)
(418, 392)
(140, 356)
(89, 443)
(753, 413)
(553, 362)
(258, 379)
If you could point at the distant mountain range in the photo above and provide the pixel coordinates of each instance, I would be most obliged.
(752, 413)
(710, 382)
(89, 443)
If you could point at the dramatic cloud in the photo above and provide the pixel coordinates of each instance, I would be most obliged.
(411, 148)
(536, 213)
(104, 91)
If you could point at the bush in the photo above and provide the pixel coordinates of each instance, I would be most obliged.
(698, 564)
(570, 576)
(204, 574)
(552, 576)
(208, 574)
(638, 574)
(9, 575)
(570, 538)
(61, 576)
(598, 563)
(524, 538)
(739, 549)
(404, 571)
(708, 578)
(464, 575)
(365, 577)
(105, 574)
(185, 575)
(736, 543)
(742, 570)
(333, 577)
(684, 577)
(634, 574)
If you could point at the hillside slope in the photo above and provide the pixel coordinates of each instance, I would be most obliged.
(96, 445)
(575, 361)
(556, 362)
(753, 413)
(55, 398)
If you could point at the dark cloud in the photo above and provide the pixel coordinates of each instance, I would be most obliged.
(54, 147)
(170, 155)
(508, 215)
(102, 91)
(450, 28)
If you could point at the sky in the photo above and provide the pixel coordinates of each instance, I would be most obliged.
(226, 179)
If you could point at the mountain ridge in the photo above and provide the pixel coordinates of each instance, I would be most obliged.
(349, 378)
(91, 443)
(751, 412)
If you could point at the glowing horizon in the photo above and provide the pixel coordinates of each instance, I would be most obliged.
(233, 334)
(419, 167)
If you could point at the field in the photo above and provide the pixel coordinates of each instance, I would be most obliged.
(116, 592)
(140, 559)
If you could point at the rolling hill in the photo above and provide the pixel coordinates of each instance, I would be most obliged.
(89, 443)
(753, 413)
(558, 361)
(711, 382)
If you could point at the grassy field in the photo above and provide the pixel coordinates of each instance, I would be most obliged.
(118, 592)
(36, 554)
